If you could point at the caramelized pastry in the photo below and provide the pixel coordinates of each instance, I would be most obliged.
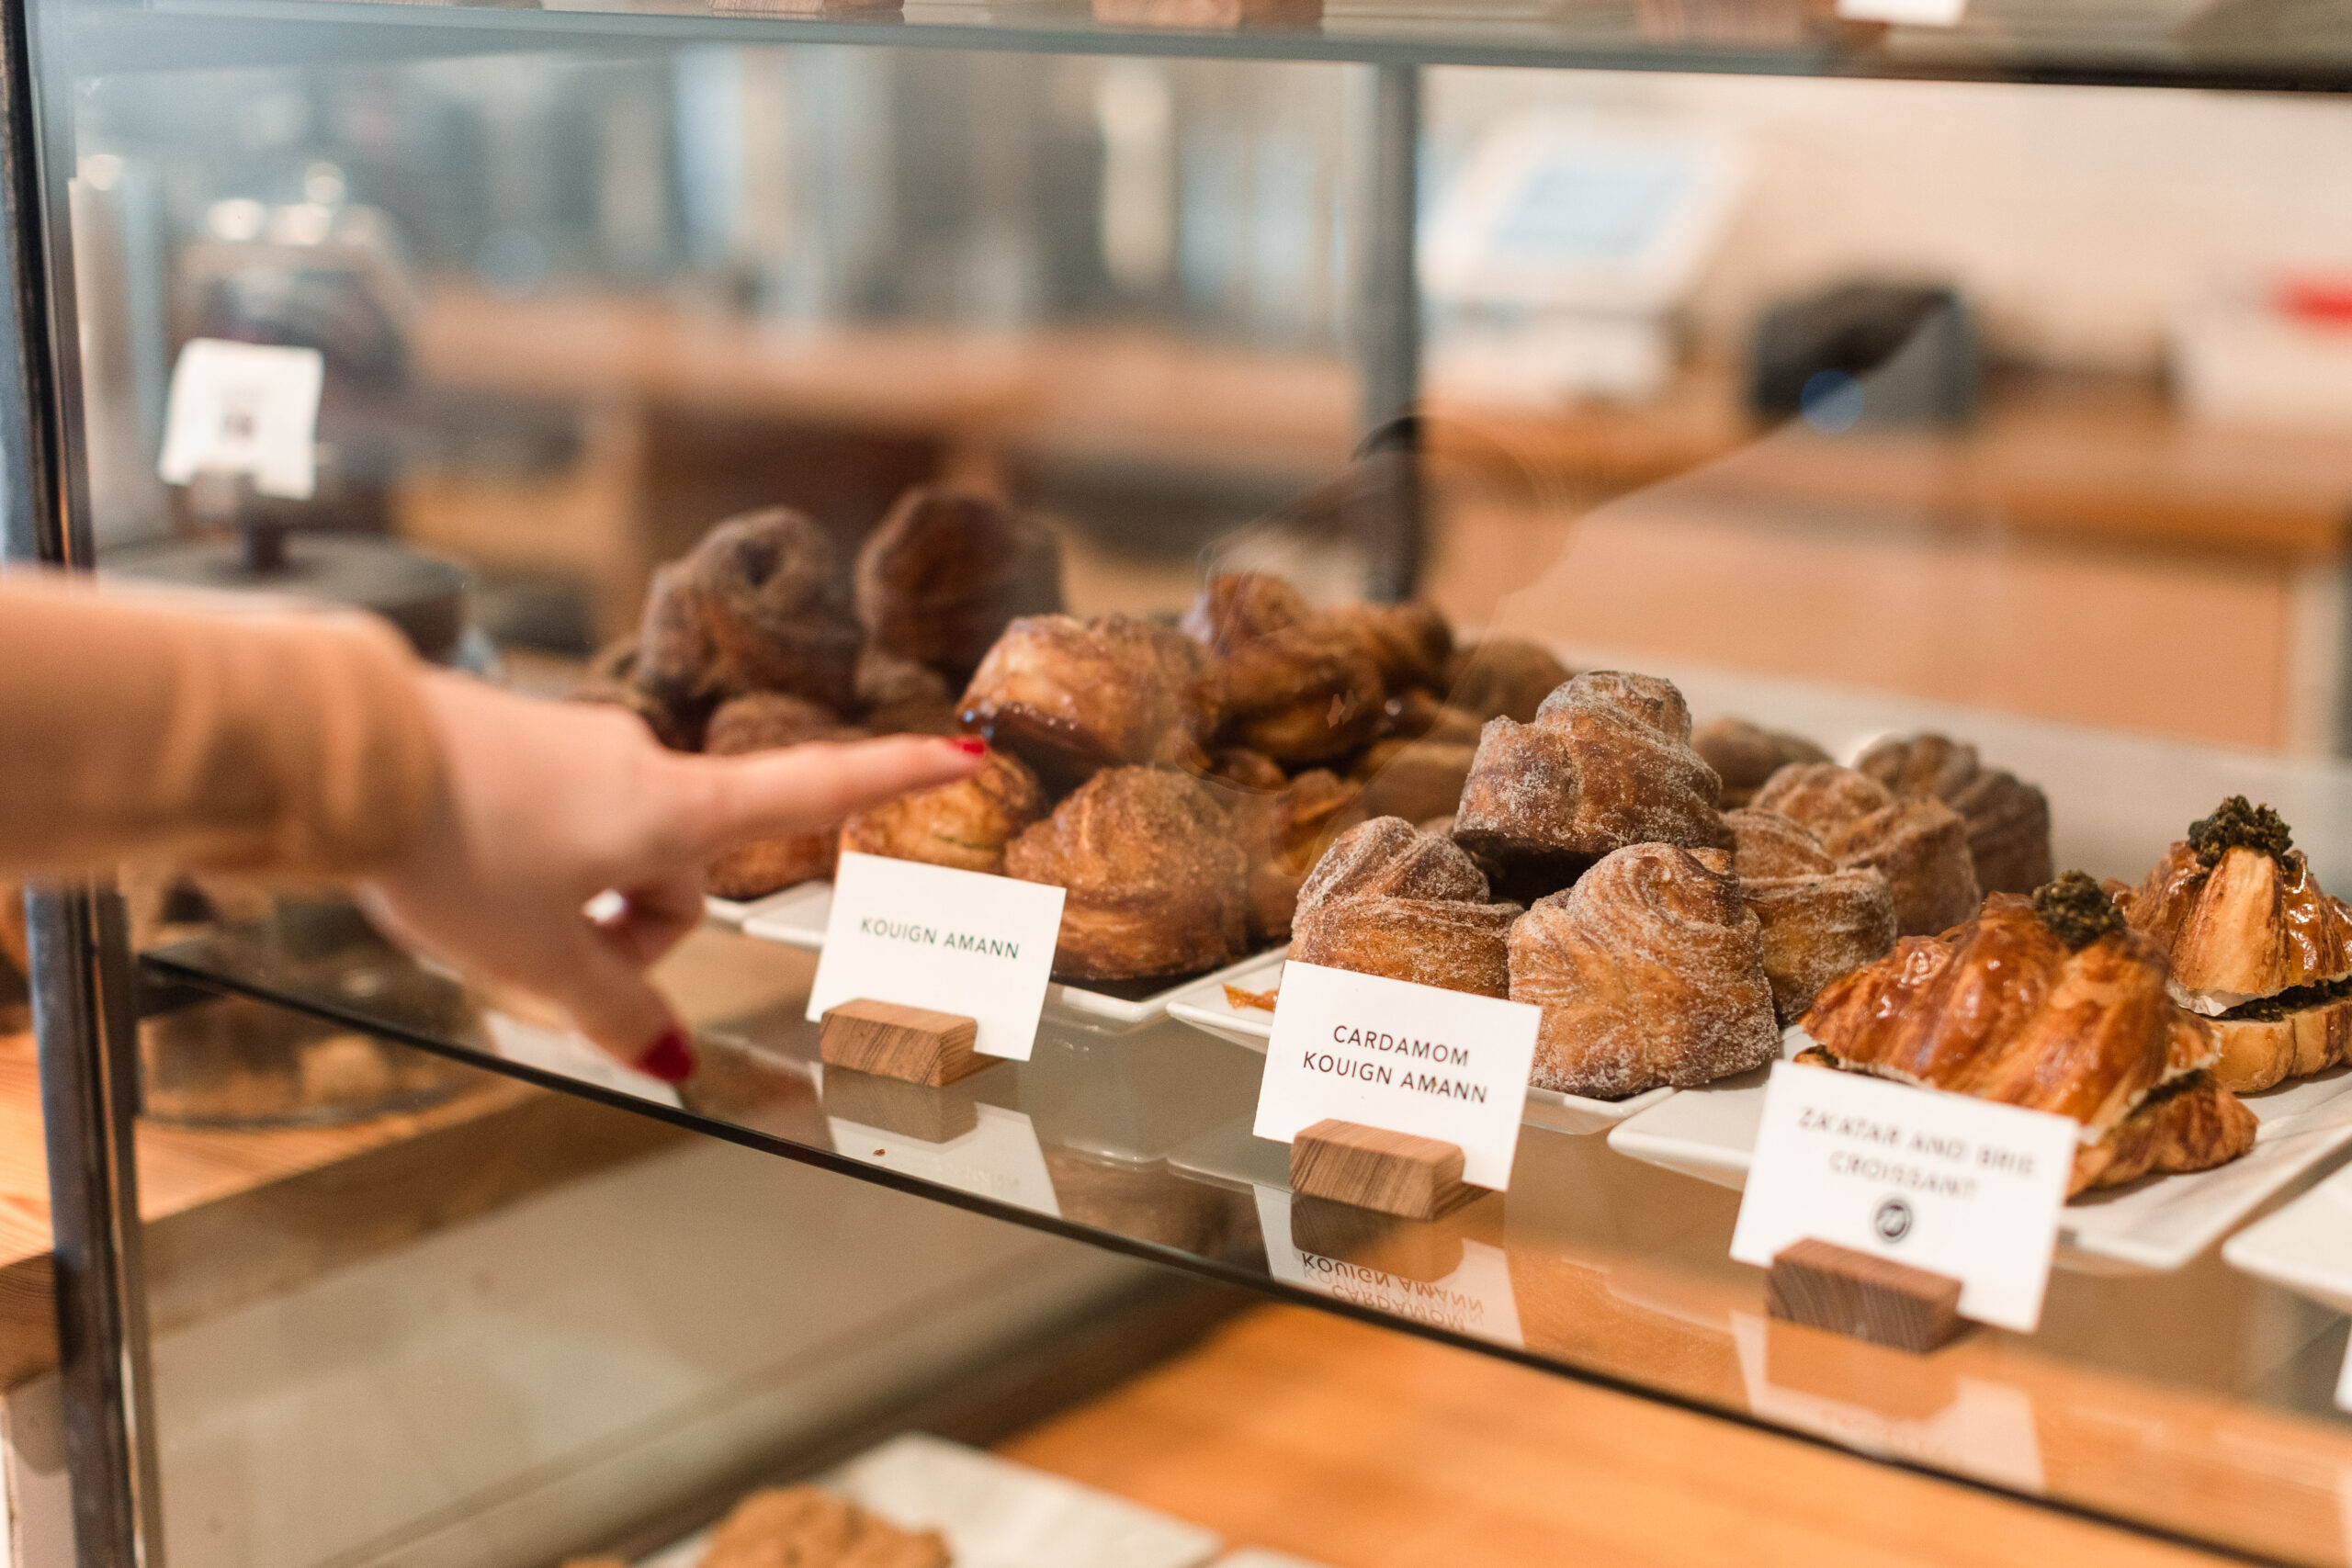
(965, 825)
(1819, 922)
(2255, 945)
(1235, 607)
(2008, 820)
(1386, 899)
(2053, 1004)
(1503, 677)
(1302, 695)
(761, 721)
(1744, 755)
(757, 606)
(1069, 696)
(1650, 971)
(1409, 645)
(942, 576)
(1920, 845)
(1606, 764)
(1418, 714)
(1414, 779)
(1283, 833)
(1155, 881)
(899, 697)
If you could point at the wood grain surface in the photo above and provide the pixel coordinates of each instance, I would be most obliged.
(1370, 1167)
(1358, 1448)
(1823, 1285)
(894, 1041)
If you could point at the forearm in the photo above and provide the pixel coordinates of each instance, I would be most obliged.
(134, 731)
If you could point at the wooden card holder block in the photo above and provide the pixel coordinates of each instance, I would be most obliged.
(1394, 1173)
(893, 1040)
(1823, 1285)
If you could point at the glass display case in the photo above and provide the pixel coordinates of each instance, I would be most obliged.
(1687, 515)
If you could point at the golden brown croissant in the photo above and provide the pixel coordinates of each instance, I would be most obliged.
(2254, 944)
(965, 825)
(1920, 845)
(1155, 880)
(1386, 899)
(758, 607)
(1606, 764)
(1069, 696)
(1819, 920)
(2052, 1004)
(2008, 820)
(942, 576)
(1650, 971)
(1744, 755)
(1503, 677)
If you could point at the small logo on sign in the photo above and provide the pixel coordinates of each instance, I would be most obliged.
(1892, 1219)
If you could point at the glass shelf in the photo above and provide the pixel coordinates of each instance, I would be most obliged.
(2194, 1403)
(2283, 45)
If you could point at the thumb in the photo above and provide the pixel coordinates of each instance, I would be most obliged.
(620, 1010)
(803, 788)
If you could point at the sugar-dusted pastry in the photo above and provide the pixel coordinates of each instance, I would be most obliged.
(806, 1527)
(1235, 607)
(1155, 883)
(1820, 921)
(1069, 696)
(945, 572)
(898, 697)
(965, 825)
(1650, 971)
(1921, 845)
(1744, 755)
(2008, 820)
(1503, 677)
(2254, 944)
(1284, 832)
(758, 607)
(1607, 762)
(1387, 900)
(1414, 779)
(1409, 645)
(1302, 695)
(761, 721)
(2053, 1004)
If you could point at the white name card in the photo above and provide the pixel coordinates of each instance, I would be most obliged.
(1402, 1057)
(244, 408)
(1941, 1182)
(958, 942)
(1907, 12)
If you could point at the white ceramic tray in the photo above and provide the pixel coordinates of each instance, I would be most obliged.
(797, 917)
(2159, 1221)
(1202, 1004)
(2305, 1246)
(996, 1513)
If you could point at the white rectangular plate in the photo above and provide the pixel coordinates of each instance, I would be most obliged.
(2159, 1221)
(996, 1513)
(1202, 1004)
(797, 917)
(2305, 1246)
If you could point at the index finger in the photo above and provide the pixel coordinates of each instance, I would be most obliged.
(803, 788)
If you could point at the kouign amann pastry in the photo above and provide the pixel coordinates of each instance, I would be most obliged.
(761, 721)
(1409, 645)
(2008, 820)
(1607, 762)
(1235, 607)
(1387, 900)
(1414, 779)
(1820, 921)
(1744, 755)
(899, 697)
(1650, 971)
(758, 607)
(1418, 714)
(1069, 696)
(1920, 844)
(805, 1527)
(945, 573)
(2052, 1003)
(1155, 883)
(2255, 945)
(1284, 832)
(1503, 677)
(965, 825)
(1302, 695)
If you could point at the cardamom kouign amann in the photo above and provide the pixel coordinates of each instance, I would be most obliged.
(1920, 845)
(2008, 819)
(1820, 921)
(1389, 899)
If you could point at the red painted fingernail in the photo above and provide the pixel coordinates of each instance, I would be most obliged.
(670, 1059)
(971, 746)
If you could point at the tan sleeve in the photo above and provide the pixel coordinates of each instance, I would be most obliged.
(138, 729)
